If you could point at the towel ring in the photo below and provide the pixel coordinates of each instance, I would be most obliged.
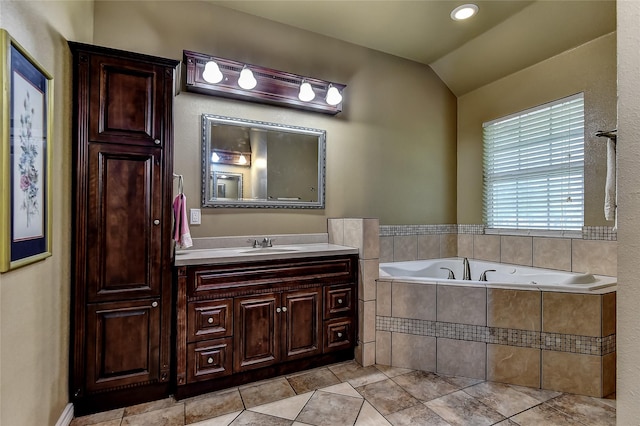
(180, 183)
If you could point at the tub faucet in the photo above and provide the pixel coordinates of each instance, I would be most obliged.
(466, 274)
(451, 275)
(483, 276)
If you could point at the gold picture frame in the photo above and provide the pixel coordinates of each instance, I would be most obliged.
(26, 108)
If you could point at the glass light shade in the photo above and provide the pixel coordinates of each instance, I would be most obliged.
(247, 80)
(465, 11)
(306, 92)
(242, 159)
(214, 157)
(212, 73)
(333, 95)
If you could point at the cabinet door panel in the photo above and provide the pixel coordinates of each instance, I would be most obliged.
(124, 255)
(301, 330)
(126, 102)
(255, 331)
(124, 338)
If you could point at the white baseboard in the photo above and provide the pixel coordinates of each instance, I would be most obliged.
(66, 416)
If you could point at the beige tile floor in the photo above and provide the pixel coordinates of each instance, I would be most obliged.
(348, 394)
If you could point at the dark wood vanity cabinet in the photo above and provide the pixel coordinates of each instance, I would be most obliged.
(242, 322)
(122, 218)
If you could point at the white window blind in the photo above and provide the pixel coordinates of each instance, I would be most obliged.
(534, 168)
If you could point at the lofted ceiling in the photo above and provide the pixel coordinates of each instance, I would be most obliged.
(504, 37)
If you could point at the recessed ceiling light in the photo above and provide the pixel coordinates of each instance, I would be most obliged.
(465, 11)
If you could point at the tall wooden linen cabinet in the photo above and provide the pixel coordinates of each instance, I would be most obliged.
(122, 219)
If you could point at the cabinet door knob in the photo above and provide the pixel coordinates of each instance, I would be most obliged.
(278, 310)
(340, 301)
(157, 141)
(209, 360)
(284, 309)
(156, 222)
(339, 334)
(154, 304)
(210, 320)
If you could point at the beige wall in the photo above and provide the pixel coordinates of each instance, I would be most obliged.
(590, 68)
(393, 145)
(34, 300)
(629, 210)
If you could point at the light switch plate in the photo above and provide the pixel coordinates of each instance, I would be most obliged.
(195, 218)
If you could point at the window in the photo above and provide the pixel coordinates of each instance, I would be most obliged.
(534, 168)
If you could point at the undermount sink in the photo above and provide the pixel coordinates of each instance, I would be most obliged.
(269, 250)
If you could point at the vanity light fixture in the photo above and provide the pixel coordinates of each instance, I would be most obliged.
(333, 95)
(232, 158)
(247, 80)
(306, 93)
(464, 11)
(212, 73)
(254, 83)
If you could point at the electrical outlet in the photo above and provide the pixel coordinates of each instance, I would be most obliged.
(195, 217)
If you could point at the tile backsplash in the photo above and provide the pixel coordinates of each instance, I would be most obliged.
(594, 250)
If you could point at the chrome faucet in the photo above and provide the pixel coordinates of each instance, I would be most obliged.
(451, 274)
(266, 242)
(483, 276)
(466, 274)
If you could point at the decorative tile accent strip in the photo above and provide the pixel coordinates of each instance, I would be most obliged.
(401, 230)
(503, 336)
(606, 233)
(471, 229)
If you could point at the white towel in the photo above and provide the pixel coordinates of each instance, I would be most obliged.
(610, 186)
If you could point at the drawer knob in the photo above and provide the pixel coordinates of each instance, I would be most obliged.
(340, 301)
(209, 360)
(210, 320)
(339, 334)
(284, 309)
(157, 141)
(154, 304)
(278, 310)
(156, 222)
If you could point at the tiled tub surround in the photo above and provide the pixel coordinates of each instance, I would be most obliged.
(594, 250)
(544, 339)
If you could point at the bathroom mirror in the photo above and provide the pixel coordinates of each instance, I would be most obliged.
(226, 186)
(249, 163)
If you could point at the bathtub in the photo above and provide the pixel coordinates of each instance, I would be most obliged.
(505, 275)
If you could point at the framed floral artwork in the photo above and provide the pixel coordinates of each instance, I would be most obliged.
(26, 105)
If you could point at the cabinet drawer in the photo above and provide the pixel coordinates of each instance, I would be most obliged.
(338, 334)
(339, 301)
(209, 359)
(238, 279)
(209, 319)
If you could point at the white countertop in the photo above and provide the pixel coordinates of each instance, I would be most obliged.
(208, 256)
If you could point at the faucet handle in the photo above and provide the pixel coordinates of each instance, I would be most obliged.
(256, 244)
(451, 275)
(483, 276)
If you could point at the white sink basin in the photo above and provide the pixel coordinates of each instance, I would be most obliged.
(259, 250)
